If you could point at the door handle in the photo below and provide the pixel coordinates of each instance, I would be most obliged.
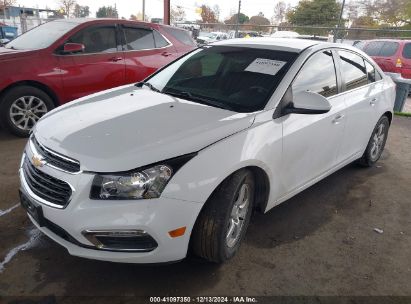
(372, 102)
(337, 119)
(166, 54)
(115, 59)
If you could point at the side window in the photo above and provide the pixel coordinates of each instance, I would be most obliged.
(370, 71)
(406, 52)
(138, 39)
(352, 70)
(97, 39)
(389, 49)
(373, 48)
(181, 35)
(159, 40)
(317, 75)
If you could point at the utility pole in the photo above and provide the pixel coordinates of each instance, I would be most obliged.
(166, 18)
(238, 19)
(144, 10)
(339, 21)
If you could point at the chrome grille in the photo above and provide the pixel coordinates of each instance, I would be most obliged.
(56, 160)
(45, 186)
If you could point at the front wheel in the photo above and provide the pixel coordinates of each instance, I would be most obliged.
(21, 107)
(223, 222)
(376, 143)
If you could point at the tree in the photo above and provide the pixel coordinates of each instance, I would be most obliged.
(257, 21)
(233, 20)
(280, 10)
(177, 14)
(315, 13)
(217, 12)
(67, 6)
(133, 17)
(4, 4)
(81, 11)
(107, 12)
(207, 14)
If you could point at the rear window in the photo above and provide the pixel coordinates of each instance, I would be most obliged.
(181, 35)
(373, 48)
(138, 38)
(406, 52)
(389, 49)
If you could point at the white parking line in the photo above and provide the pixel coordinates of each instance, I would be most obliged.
(34, 235)
(3, 212)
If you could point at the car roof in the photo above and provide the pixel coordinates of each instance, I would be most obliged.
(98, 20)
(281, 44)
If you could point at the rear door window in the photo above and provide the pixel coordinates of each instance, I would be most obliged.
(138, 39)
(406, 52)
(353, 70)
(317, 75)
(373, 48)
(389, 49)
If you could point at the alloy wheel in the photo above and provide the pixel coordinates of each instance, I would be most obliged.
(26, 111)
(377, 142)
(238, 216)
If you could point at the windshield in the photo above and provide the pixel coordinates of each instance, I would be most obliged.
(240, 79)
(42, 36)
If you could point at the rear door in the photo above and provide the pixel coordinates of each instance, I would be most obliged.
(145, 51)
(101, 66)
(362, 92)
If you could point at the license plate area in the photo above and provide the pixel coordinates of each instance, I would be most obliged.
(32, 208)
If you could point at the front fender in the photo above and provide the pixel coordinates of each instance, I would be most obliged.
(258, 146)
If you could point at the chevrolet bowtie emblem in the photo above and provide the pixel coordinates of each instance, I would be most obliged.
(37, 161)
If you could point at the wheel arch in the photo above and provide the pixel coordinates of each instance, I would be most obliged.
(389, 115)
(262, 186)
(39, 85)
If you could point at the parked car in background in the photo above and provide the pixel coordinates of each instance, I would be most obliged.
(7, 33)
(285, 34)
(140, 174)
(393, 56)
(66, 59)
(205, 38)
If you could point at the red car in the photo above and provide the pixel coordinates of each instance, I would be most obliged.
(66, 59)
(393, 56)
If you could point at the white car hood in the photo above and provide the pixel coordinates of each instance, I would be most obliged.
(125, 128)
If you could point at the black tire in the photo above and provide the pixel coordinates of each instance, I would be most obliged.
(209, 237)
(369, 158)
(12, 95)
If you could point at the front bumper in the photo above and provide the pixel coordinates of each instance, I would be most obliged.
(154, 216)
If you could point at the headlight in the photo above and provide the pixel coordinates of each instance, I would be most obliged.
(145, 183)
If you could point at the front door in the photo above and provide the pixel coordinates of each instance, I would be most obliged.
(101, 66)
(311, 141)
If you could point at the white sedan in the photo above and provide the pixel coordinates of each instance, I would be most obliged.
(144, 173)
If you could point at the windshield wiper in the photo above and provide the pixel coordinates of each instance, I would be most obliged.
(199, 99)
(152, 88)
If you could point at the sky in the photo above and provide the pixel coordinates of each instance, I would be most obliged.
(154, 8)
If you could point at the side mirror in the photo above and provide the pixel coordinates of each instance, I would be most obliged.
(69, 48)
(307, 102)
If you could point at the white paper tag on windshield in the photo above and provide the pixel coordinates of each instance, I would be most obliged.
(265, 66)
